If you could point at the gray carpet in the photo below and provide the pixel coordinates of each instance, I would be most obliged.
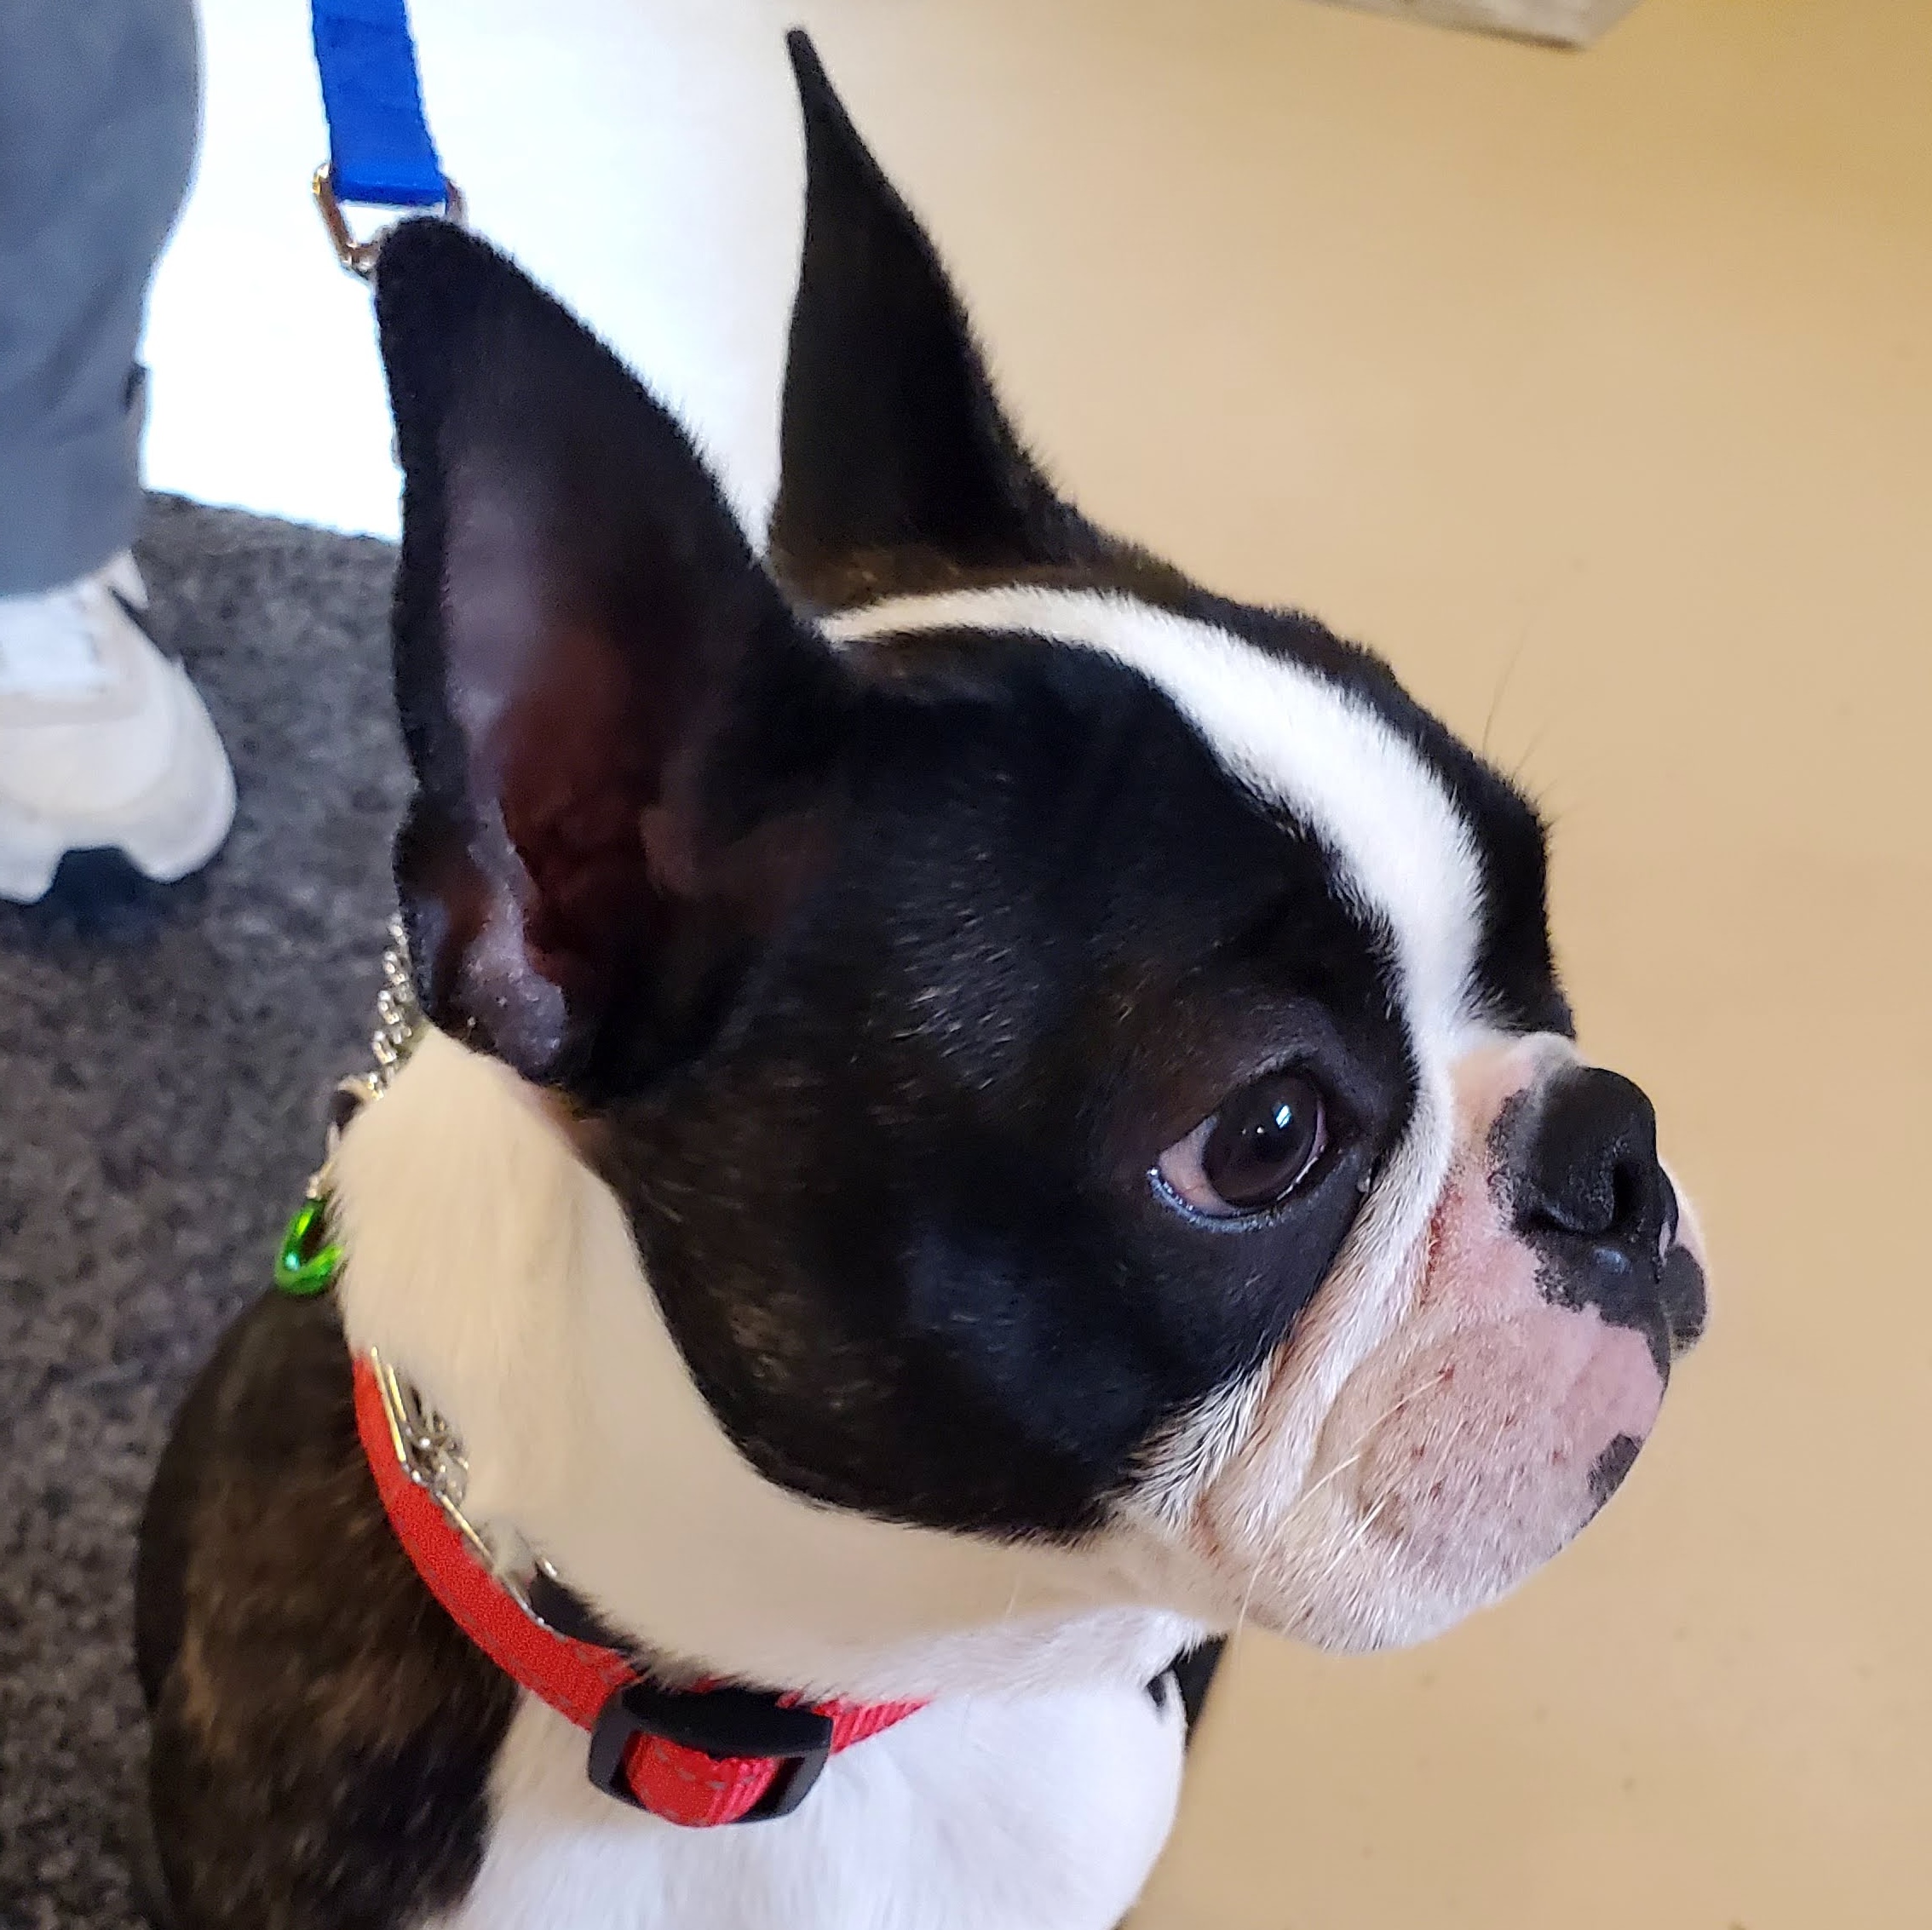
(163, 1057)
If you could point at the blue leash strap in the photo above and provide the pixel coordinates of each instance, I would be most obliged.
(379, 147)
(380, 152)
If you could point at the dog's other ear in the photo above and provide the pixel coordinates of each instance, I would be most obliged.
(898, 470)
(621, 736)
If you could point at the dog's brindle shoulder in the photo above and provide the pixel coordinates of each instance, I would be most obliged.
(322, 1732)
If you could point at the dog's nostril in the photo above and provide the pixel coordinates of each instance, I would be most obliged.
(1590, 1202)
(1590, 1169)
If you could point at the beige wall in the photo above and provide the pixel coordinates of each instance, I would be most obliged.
(1597, 390)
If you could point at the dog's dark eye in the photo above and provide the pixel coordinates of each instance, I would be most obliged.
(1253, 1152)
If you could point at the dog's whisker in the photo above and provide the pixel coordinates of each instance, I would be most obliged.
(1502, 687)
(1356, 1536)
(1247, 1596)
(1309, 1494)
(1355, 1454)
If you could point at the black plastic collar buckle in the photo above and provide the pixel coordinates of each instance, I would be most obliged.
(717, 1723)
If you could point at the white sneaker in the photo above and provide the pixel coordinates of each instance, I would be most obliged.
(103, 741)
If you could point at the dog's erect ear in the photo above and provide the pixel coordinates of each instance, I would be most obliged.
(621, 736)
(898, 470)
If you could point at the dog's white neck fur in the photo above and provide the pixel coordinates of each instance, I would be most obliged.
(496, 1270)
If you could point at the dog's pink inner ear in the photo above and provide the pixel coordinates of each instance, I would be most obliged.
(583, 643)
(575, 789)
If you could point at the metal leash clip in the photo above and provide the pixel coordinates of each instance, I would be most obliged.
(310, 1257)
(381, 154)
(359, 257)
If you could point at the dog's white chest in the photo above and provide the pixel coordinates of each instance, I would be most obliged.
(978, 1813)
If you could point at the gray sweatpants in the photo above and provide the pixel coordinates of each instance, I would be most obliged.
(99, 107)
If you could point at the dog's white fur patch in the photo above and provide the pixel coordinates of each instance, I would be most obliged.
(979, 1813)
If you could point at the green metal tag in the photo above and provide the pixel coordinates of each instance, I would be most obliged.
(307, 1261)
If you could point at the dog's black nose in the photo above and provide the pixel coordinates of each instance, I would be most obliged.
(1588, 1192)
(1590, 1171)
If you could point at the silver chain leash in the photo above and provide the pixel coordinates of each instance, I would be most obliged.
(307, 1261)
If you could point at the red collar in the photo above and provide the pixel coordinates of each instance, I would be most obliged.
(698, 1757)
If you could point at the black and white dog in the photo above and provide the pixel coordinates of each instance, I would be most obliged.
(986, 1115)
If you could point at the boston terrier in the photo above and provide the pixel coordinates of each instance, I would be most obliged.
(975, 1116)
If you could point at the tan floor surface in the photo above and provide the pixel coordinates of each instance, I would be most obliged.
(1597, 392)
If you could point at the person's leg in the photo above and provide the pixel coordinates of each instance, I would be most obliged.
(99, 107)
(104, 743)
